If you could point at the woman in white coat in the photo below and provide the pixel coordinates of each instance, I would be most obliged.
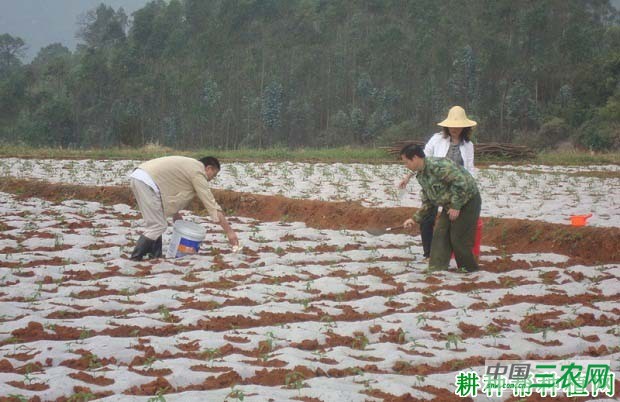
(452, 142)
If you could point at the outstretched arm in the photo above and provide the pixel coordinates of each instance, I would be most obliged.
(232, 236)
(203, 191)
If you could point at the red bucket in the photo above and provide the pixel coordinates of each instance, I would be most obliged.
(477, 239)
(579, 220)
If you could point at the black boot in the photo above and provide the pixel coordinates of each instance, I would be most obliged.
(156, 251)
(426, 232)
(143, 247)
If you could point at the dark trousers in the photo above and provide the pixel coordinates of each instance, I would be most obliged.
(456, 236)
(426, 231)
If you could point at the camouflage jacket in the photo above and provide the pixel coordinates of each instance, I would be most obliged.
(444, 183)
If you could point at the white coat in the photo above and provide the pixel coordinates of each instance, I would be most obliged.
(438, 146)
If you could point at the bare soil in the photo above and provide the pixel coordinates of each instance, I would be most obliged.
(587, 244)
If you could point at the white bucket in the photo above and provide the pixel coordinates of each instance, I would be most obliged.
(186, 239)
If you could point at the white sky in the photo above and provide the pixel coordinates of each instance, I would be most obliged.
(43, 22)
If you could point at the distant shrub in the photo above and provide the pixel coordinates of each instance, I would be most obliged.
(599, 135)
(405, 130)
(553, 131)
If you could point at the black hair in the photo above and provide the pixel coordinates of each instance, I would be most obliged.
(463, 137)
(210, 161)
(412, 150)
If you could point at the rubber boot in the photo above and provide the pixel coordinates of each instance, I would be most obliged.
(156, 251)
(426, 231)
(143, 247)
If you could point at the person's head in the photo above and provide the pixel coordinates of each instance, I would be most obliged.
(413, 157)
(212, 166)
(457, 125)
(462, 133)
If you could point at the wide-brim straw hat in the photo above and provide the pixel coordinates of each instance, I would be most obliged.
(457, 118)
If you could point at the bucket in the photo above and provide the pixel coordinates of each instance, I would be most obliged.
(186, 239)
(477, 239)
(579, 220)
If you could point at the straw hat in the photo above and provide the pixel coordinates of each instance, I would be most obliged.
(457, 118)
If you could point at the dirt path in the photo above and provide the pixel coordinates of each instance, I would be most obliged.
(589, 245)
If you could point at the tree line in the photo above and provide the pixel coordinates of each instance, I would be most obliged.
(260, 73)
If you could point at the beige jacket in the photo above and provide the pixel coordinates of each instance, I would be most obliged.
(179, 179)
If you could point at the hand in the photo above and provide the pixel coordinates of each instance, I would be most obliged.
(403, 183)
(177, 217)
(453, 214)
(233, 240)
(408, 224)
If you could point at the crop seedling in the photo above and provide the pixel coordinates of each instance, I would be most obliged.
(360, 342)
(85, 333)
(358, 371)
(457, 364)
(270, 342)
(165, 313)
(29, 379)
(493, 332)
(82, 396)
(211, 354)
(159, 395)
(328, 322)
(189, 276)
(30, 226)
(453, 339)
(93, 362)
(319, 353)
(294, 380)
(402, 336)
(532, 328)
(503, 243)
(58, 241)
(35, 296)
(402, 365)
(235, 394)
(421, 319)
(415, 344)
(149, 361)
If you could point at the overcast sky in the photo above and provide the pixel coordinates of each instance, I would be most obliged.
(43, 22)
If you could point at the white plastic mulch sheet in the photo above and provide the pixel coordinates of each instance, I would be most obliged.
(298, 313)
(547, 193)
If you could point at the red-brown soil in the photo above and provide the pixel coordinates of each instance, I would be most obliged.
(31, 387)
(589, 245)
(100, 380)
